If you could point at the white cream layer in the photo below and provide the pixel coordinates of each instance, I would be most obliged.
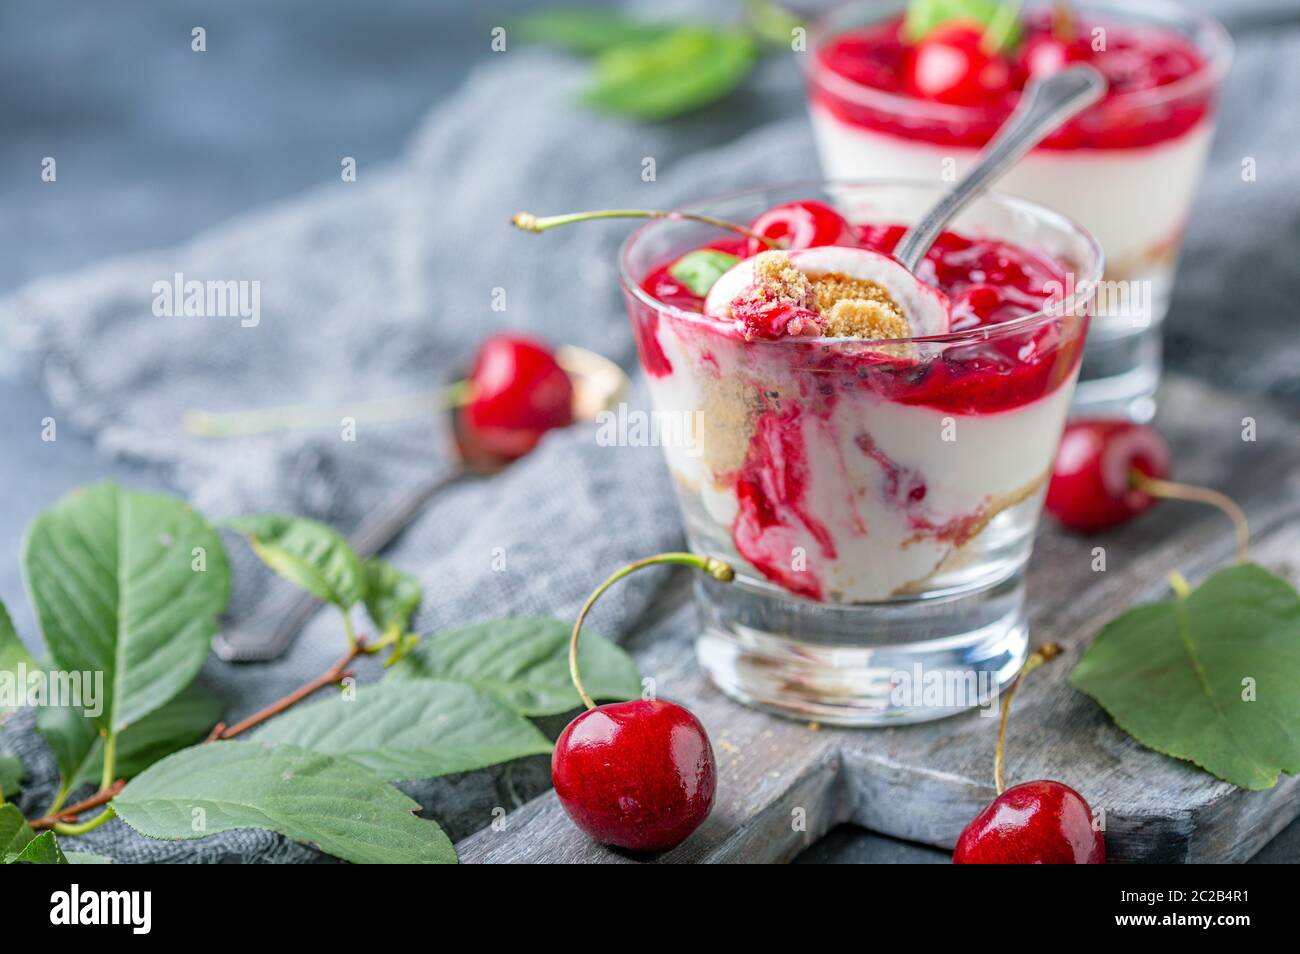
(1134, 201)
(967, 462)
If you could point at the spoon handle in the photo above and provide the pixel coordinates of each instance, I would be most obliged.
(1045, 106)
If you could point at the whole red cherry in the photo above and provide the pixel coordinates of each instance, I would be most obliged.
(805, 224)
(1037, 823)
(517, 392)
(1092, 478)
(950, 66)
(636, 775)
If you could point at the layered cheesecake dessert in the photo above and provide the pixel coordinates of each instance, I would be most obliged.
(860, 433)
(890, 98)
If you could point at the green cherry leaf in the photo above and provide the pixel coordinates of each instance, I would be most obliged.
(699, 270)
(411, 729)
(392, 597)
(14, 657)
(1001, 21)
(586, 31)
(524, 662)
(11, 776)
(15, 833)
(129, 585)
(42, 850)
(79, 749)
(684, 70)
(1212, 677)
(308, 554)
(310, 797)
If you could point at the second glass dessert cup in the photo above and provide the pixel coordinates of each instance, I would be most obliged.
(1128, 168)
(878, 499)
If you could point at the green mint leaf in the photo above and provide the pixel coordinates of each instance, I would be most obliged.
(411, 729)
(79, 748)
(585, 31)
(13, 654)
(524, 662)
(11, 776)
(86, 858)
(312, 798)
(41, 850)
(15, 833)
(127, 584)
(698, 270)
(684, 70)
(392, 596)
(1000, 20)
(1213, 678)
(308, 554)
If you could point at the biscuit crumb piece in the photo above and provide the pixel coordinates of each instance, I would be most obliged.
(778, 280)
(863, 318)
(856, 308)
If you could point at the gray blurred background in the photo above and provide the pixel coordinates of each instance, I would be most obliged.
(150, 153)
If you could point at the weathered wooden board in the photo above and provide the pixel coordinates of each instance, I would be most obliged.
(923, 783)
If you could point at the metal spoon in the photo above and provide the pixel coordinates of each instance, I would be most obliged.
(271, 627)
(1045, 106)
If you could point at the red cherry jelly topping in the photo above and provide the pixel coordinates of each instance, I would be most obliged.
(989, 282)
(949, 68)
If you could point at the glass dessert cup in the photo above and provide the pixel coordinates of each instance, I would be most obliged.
(1127, 169)
(877, 499)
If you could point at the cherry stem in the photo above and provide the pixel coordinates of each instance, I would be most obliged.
(1041, 655)
(1003, 21)
(71, 813)
(291, 417)
(1062, 21)
(533, 223)
(710, 565)
(61, 820)
(1169, 490)
(335, 673)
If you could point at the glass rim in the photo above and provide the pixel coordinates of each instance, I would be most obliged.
(1073, 304)
(1218, 60)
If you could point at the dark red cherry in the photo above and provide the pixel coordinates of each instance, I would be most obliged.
(1037, 823)
(950, 66)
(636, 775)
(1092, 484)
(517, 393)
(805, 224)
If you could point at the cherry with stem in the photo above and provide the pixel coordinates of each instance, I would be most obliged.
(1038, 822)
(528, 222)
(1108, 471)
(636, 775)
(713, 567)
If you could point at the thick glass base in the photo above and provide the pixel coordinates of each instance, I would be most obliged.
(1122, 362)
(879, 664)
